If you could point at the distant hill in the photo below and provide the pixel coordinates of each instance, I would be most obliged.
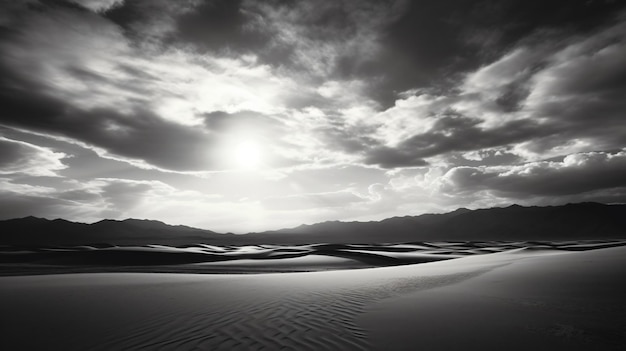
(572, 221)
(568, 222)
(33, 231)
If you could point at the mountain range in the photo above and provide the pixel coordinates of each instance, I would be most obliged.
(566, 222)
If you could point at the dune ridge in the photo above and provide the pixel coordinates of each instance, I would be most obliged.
(204, 258)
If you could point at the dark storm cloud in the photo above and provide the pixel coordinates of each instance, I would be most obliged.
(599, 122)
(499, 23)
(575, 174)
(580, 95)
(349, 139)
(453, 133)
(433, 42)
(149, 19)
(139, 135)
(65, 46)
(387, 157)
(460, 133)
(207, 25)
(512, 97)
(549, 99)
(222, 25)
(322, 39)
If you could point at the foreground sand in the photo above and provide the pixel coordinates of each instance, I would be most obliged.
(515, 300)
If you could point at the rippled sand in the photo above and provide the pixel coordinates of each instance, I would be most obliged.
(203, 258)
(516, 299)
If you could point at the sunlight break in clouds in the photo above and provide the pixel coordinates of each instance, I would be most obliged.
(247, 115)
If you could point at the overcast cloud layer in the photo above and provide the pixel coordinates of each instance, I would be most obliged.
(252, 115)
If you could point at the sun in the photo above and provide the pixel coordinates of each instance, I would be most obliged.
(247, 154)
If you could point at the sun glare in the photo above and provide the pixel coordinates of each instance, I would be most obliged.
(247, 154)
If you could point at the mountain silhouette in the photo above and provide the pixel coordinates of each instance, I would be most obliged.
(33, 231)
(567, 222)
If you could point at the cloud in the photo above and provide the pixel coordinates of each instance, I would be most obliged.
(578, 93)
(99, 5)
(375, 108)
(387, 157)
(322, 39)
(94, 63)
(21, 200)
(319, 201)
(223, 26)
(24, 158)
(17, 205)
(539, 100)
(591, 176)
(93, 82)
(78, 76)
(99, 198)
(132, 136)
(150, 20)
(453, 133)
(433, 44)
(575, 174)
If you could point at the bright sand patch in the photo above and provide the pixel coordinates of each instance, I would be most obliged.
(552, 302)
(510, 300)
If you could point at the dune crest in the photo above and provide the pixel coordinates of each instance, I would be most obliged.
(202, 258)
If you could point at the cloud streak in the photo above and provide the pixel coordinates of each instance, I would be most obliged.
(21, 157)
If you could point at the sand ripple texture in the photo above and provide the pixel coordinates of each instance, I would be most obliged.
(298, 319)
(278, 311)
(202, 258)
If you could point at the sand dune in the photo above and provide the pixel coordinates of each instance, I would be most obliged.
(513, 299)
(549, 302)
(202, 258)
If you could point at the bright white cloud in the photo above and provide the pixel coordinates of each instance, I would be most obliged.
(22, 157)
(99, 5)
(91, 64)
(575, 174)
(413, 115)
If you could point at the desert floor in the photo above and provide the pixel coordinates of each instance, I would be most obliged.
(512, 300)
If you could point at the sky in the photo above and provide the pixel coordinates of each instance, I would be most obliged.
(238, 115)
